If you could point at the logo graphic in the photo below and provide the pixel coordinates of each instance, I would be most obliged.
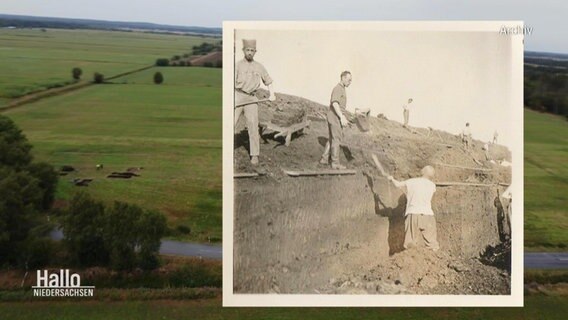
(62, 284)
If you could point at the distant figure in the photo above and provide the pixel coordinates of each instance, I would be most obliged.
(248, 75)
(486, 150)
(495, 136)
(419, 223)
(336, 121)
(406, 112)
(466, 137)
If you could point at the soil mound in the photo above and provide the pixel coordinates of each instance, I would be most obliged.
(344, 234)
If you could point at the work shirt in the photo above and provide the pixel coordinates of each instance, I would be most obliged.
(340, 96)
(419, 192)
(248, 75)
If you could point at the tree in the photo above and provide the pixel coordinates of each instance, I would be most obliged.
(83, 224)
(121, 235)
(14, 147)
(76, 73)
(26, 189)
(162, 62)
(158, 78)
(151, 228)
(47, 177)
(20, 199)
(98, 78)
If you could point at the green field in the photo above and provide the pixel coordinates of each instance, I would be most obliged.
(536, 307)
(546, 181)
(31, 59)
(173, 130)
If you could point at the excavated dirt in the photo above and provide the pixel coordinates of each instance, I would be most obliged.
(332, 234)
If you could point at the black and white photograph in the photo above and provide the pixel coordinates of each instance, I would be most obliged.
(369, 162)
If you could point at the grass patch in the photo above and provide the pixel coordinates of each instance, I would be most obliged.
(33, 60)
(546, 181)
(536, 307)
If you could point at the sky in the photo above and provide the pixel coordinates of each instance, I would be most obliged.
(548, 18)
(453, 77)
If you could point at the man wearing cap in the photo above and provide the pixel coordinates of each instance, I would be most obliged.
(419, 222)
(248, 76)
(336, 121)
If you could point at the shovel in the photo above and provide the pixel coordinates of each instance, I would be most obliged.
(250, 102)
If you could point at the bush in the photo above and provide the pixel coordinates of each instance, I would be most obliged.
(158, 78)
(98, 78)
(208, 64)
(219, 64)
(182, 63)
(176, 57)
(162, 62)
(183, 229)
(123, 236)
(76, 73)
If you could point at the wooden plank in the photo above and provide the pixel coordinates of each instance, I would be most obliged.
(469, 184)
(319, 173)
(462, 167)
(246, 175)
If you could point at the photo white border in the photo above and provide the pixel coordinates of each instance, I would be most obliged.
(515, 299)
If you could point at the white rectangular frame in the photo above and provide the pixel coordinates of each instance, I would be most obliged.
(515, 299)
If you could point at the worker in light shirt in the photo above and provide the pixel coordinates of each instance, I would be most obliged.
(419, 222)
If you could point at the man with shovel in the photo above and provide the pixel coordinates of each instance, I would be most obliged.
(336, 121)
(419, 222)
(248, 76)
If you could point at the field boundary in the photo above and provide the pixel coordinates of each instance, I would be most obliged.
(38, 95)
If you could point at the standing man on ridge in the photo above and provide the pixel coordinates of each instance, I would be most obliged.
(336, 121)
(248, 76)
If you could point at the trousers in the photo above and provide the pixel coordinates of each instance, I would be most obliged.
(420, 230)
(251, 114)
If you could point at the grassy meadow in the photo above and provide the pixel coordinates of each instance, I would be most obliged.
(32, 59)
(546, 181)
(172, 130)
(536, 307)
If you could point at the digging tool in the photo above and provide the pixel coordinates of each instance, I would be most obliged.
(382, 171)
(379, 166)
(251, 102)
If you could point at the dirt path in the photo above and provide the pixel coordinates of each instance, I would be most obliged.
(39, 95)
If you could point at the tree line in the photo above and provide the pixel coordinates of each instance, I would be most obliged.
(546, 88)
